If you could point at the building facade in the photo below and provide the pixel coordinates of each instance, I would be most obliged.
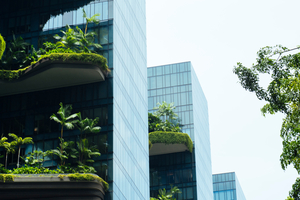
(227, 187)
(191, 173)
(120, 101)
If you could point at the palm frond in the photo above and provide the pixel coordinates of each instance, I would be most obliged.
(69, 125)
(55, 118)
(14, 136)
(71, 116)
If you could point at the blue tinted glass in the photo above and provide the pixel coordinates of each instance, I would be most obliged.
(105, 10)
(176, 77)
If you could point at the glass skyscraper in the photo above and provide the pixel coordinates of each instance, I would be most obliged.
(227, 187)
(191, 173)
(120, 101)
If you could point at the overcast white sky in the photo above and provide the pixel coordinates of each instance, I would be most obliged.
(214, 35)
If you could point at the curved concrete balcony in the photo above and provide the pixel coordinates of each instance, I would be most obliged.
(48, 74)
(164, 142)
(38, 188)
(161, 148)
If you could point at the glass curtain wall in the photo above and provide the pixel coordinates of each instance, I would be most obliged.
(28, 115)
(122, 33)
(201, 140)
(178, 83)
(227, 187)
(131, 154)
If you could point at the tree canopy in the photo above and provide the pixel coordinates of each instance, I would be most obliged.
(282, 94)
(164, 118)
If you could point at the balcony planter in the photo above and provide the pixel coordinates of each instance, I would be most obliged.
(53, 186)
(54, 71)
(169, 142)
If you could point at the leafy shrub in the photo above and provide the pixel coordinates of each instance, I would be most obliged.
(78, 169)
(6, 178)
(152, 121)
(11, 74)
(86, 177)
(3, 170)
(59, 50)
(82, 57)
(2, 46)
(35, 170)
(35, 158)
(171, 138)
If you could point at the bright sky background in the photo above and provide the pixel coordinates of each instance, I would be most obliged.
(214, 35)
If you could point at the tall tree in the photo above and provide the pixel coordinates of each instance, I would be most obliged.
(66, 119)
(87, 125)
(92, 19)
(282, 94)
(2, 140)
(9, 148)
(18, 142)
(165, 109)
(169, 122)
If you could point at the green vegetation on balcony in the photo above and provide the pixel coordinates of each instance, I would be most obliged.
(75, 158)
(166, 131)
(72, 177)
(7, 178)
(73, 45)
(171, 138)
(2, 46)
(85, 177)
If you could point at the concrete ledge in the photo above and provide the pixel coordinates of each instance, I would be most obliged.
(38, 188)
(161, 148)
(52, 74)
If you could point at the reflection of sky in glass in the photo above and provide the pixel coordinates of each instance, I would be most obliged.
(105, 9)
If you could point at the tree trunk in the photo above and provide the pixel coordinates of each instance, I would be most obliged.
(18, 164)
(6, 160)
(86, 28)
(61, 131)
(61, 137)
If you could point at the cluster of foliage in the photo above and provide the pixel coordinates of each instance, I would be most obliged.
(295, 192)
(59, 55)
(282, 95)
(289, 198)
(164, 119)
(35, 170)
(10, 146)
(83, 57)
(73, 42)
(164, 195)
(2, 46)
(68, 152)
(11, 74)
(85, 177)
(171, 138)
(6, 178)
(16, 55)
(72, 177)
